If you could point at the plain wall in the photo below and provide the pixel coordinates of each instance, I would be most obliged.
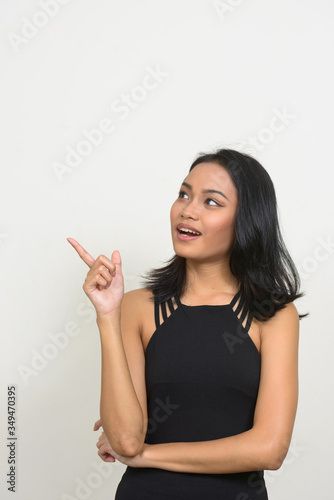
(220, 74)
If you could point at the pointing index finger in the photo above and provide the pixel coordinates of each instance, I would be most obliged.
(86, 257)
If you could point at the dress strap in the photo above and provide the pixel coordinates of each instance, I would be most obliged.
(163, 310)
(170, 304)
(165, 313)
(249, 321)
(177, 300)
(241, 310)
(243, 314)
(240, 305)
(156, 313)
(235, 298)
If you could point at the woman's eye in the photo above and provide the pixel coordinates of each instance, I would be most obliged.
(215, 203)
(181, 193)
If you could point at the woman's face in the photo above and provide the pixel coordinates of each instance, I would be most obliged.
(207, 211)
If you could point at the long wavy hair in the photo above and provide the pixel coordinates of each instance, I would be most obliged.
(259, 259)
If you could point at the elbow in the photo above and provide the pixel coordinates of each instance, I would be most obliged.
(274, 463)
(126, 443)
(129, 447)
(276, 454)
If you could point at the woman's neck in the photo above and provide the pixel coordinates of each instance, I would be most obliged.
(209, 279)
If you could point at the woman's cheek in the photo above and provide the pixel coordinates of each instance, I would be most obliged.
(224, 233)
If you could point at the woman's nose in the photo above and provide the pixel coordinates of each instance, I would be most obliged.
(190, 210)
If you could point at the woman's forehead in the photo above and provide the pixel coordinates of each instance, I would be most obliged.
(211, 176)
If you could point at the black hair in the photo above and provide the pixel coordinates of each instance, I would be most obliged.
(259, 258)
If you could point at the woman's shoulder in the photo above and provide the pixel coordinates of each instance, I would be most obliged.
(285, 319)
(138, 302)
(139, 297)
(138, 309)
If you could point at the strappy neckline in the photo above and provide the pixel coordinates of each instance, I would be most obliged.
(174, 304)
(241, 310)
(230, 304)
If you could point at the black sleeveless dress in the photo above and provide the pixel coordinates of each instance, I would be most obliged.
(202, 376)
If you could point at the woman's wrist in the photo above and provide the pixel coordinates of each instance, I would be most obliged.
(112, 318)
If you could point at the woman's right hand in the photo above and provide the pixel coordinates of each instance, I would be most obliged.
(104, 283)
(105, 451)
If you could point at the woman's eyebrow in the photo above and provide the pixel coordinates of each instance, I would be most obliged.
(205, 190)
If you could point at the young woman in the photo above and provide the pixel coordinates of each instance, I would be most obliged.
(200, 367)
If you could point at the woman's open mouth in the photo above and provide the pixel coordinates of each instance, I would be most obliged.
(184, 234)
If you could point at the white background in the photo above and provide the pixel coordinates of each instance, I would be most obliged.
(228, 71)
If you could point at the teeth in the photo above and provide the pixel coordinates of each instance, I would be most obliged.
(188, 231)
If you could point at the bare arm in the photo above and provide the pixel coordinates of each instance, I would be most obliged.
(266, 444)
(121, 414)
(123, 406)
